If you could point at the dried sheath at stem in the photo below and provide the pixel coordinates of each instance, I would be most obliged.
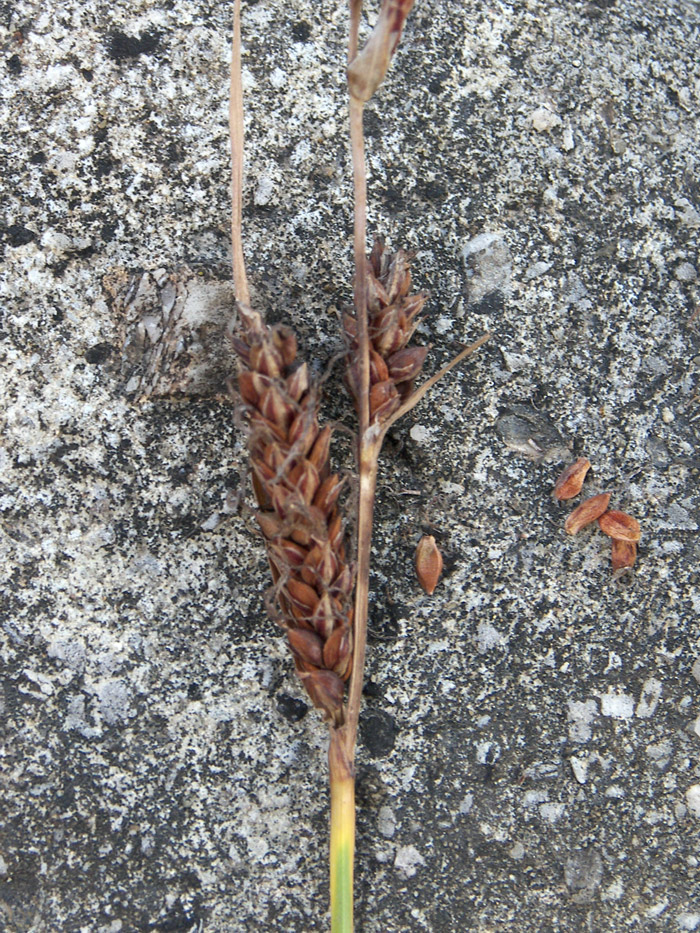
(299, 518)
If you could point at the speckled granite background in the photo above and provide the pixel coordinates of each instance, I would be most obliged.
(531, 734)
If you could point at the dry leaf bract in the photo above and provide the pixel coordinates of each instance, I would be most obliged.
(368, 69)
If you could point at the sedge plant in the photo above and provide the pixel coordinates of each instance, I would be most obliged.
(320, 588)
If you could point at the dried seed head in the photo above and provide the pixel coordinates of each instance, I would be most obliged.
(298, 515)
(620, 525)
(393, 317)
(570, 481)
(587, 512)
(624, 553)
(428, 563)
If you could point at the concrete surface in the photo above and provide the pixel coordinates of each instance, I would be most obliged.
(531, 747)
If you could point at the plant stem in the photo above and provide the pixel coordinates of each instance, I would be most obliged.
(240, 280)
(342, 855)
(368, 442)
(418, 394)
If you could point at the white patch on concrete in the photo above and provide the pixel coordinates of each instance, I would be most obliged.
(488, 264)
(487, 752)
(692, 799)
(552, 812)
(420, 434)
(408, 860)
(517, 852)
(544, 120)
(487, 637)
(466, 805)
(649, 698)
(617, 704)
(386, 822)
(581, 715)
(580, 768)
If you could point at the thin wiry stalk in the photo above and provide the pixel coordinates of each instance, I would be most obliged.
(366, 458)
(381, 366)
(240, 280)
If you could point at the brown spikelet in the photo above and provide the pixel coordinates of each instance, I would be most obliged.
(393, 317)
(298, 515)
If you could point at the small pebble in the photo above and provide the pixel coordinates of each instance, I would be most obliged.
(580, 768)
(692, 799)
(686, 272)
(544, 120)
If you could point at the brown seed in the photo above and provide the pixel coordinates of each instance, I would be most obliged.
(378, 370)
(301, 594)
(406, 364)
(327, 494)
(337, 651)
(318, 455)
(306, 645)
(285, 342)
(587, 512)
(325, 689)
(620, 525)
(298, 382)
(570, 481)
(624, 553)
(428, 563)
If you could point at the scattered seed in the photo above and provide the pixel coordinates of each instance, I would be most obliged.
(589, 510)
(624, 553)
(620, 525)
(428, 563)
(570, 481)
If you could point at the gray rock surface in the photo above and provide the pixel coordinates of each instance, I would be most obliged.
(530, 739)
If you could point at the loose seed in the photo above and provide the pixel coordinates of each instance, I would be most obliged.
(620, 525)
(587, 512)
(570, 481)
(428, 563)
(624, 553)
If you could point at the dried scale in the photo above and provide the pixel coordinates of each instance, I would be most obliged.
(298, 513)
(393, 317)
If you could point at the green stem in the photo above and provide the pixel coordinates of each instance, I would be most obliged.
(342, 775)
